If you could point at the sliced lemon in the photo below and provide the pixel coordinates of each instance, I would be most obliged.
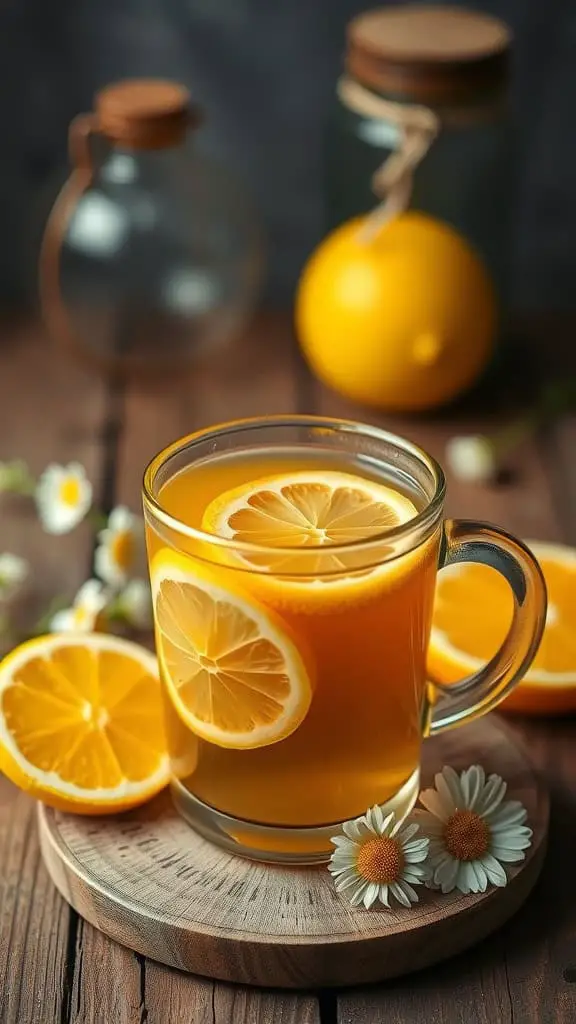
(308, 510)
(81, 722)
(463, 643)
(232, 670)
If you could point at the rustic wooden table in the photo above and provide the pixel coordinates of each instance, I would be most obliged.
(55, 968)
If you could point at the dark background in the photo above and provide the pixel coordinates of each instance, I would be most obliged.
(264, 71)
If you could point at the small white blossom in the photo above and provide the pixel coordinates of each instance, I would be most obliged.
(472, 830)
(63, 497)
(119, 545)
(377, 858)
(86, 613)
(472, 458)
(13, 572)
(134, 604)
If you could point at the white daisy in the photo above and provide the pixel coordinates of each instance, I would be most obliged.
(378, 857)
(119, 545)
(13, 572)
(472, 830)
(134, 604)
(63, 497)
(85, 615)
(472, 458)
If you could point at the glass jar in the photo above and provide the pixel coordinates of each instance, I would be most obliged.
(151, 257)
(452, 63)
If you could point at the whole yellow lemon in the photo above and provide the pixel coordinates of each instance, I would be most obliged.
(403, 321)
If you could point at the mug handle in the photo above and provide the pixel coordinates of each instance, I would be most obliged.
(469, 541)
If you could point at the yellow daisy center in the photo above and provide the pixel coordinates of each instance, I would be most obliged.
(122, 549)
(466, 835)
(380, 860)
(81, 616)
(70, 491)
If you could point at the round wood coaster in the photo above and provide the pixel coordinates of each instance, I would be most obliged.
(147, 880)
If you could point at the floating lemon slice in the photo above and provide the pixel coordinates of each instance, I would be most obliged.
(308, 510)
(472, 613)
(81, 722)
(232, 670)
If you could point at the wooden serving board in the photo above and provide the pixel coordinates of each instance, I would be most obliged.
(147, 880)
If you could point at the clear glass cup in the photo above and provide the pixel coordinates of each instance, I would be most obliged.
(356, 615)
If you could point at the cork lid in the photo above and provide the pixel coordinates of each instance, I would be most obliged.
(145, 113)
(432, 53)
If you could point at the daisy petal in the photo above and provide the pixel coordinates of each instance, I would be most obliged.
(469, 878)
(389, 825)
(440, 858)
(416, 856)
(336, 867)
(342, 863)
(343, 874)
(341, 884)
(63, 621)
(508, 814)
(465, 879)
(121, 518)
(472, 782)
(400, 895)
(494, 870)
(446, 874)
(371, 895)
(449, 789)
(416, 844)
(383, 896)
(378, 818)
(515, 841)
(481, 876)
(357, 898)
(370, 822)
(407, 833)
(341, 841)
(416, 873)
(408, 890)
(492, 795)
(430, 799)
(351, 830)
(507, 856)
(349, 848)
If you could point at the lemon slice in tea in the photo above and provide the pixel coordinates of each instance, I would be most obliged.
(305, 510)
(233, 672)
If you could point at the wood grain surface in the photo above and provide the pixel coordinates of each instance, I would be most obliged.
(54, 968)
(150, 882)
(49, 411)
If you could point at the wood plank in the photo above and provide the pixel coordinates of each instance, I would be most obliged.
(106, 982)
(49, 410)
(184, 999)
(33, 920)
(539, 946)
(111, 983)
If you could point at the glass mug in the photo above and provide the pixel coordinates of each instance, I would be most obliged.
(293, 563)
